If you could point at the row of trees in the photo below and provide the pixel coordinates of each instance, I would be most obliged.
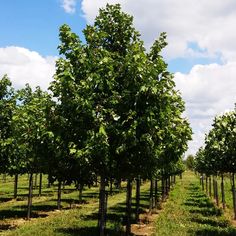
(218, 156)
(112, 114)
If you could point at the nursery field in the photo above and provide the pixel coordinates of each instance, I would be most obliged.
(187, 211)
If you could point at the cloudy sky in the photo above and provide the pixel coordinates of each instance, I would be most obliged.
(201, 51)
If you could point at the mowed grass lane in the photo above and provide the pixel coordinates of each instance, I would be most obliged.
(189, 212)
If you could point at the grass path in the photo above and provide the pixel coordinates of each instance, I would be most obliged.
(189, 212)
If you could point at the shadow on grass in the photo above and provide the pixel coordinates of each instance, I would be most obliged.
(46, 207)
(6, 214)
(88, 231)
(211, 222)
(207, 211)
(216, 232)
(5, 199)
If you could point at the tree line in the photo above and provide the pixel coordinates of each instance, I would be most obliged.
(111, 113)
(217, 157)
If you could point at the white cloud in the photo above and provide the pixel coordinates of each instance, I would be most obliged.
(69, 6)
(208, 91)
(24, 66)
(208, 23)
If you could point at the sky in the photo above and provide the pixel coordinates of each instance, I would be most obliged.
(201, 51)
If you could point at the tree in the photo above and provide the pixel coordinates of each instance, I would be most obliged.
(190, 162)
(117, 103)
(7, 104)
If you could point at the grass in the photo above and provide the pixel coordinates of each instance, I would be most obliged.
(80, 220)
(190, 212)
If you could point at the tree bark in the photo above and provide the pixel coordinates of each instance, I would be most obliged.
(210, 190)
(111, 190)
(234, 195)
(163, 189)
(223, 191)
(156, 193)
(59, 196)
(102, 208)
(217, 195)
(137, 199)
(36, 181)
(40, 184)
(206, 185)
(202, 182)
(30, 196)
(15, 186)
(128, 207)
(80, 192)
(151, 197)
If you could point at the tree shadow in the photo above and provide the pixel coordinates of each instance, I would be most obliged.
(212, 222)
(7, 214)
(216, 232)
(88, 231)
(5, 199)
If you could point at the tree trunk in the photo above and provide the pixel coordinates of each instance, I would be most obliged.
(40, 184)
(128, 207)
(36, 181)
(111, 190)
(156, 193)
(80, 192)
(49, 184)
(210, 191)
(30, 196)
(137, 199)
(59, 196)
(15, 186)
(217, 195)
(203, 183)
(102, 208)
(163, 189)
(234, 195)
(206, 185)
(223, 191)
(151, 197)
(167, 188)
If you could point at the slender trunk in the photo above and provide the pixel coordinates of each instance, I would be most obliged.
(223, 191)
(210, 191)
(217, 195)
(30, 196)
(63, 186)
(59, 196)
(202, 182)
(49, 183)
(206, 185)
(40, 183)
(111, 190)
(166, 187)
(36, 181)
(163, 189)
(156, 193)
(234, 195)
(151, 197)
(174, 179)
(4, 178)
(15, 186)
(80, 192)
(128, 207)
(137, 199)
(102, 208)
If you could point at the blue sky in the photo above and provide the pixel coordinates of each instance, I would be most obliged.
(201, 49)
(35, 24)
